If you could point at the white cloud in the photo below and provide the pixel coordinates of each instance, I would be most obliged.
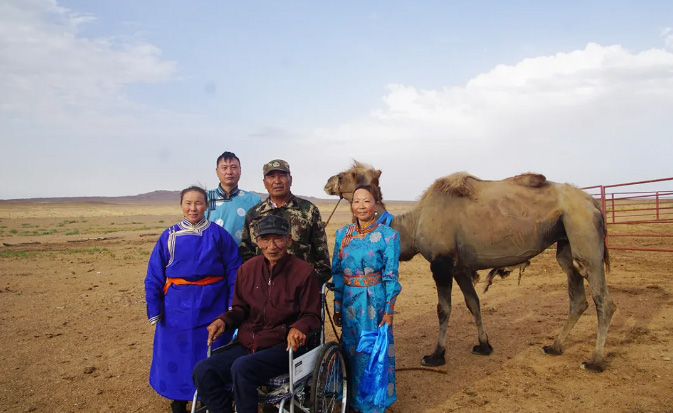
(667, 34)
(70, 125)
(586, 116)
(49, 71)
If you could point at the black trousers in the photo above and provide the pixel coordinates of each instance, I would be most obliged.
(245, 371)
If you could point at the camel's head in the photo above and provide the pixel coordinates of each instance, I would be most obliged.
(344, 184)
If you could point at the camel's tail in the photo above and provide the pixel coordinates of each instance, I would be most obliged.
(606, 254)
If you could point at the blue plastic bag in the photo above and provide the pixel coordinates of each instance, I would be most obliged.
(374, 382)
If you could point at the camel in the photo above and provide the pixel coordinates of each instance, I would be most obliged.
(462, 224)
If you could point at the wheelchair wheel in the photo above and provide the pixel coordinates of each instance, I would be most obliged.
(329, 384)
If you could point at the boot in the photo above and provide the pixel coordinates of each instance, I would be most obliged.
(178, 406)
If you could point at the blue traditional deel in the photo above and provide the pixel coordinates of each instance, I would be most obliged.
(182, 312)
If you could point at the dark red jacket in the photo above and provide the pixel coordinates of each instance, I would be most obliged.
(266, 305)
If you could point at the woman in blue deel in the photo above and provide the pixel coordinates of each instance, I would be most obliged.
(365, 270)
(190, 281)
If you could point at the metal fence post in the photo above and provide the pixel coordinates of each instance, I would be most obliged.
(657, 204)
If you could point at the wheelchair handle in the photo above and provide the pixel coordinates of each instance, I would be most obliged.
(329, 285)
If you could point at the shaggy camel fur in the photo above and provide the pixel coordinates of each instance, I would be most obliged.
(463, 224)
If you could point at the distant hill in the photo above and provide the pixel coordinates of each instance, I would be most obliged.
(155, 197)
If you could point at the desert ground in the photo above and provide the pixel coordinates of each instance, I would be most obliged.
(75, 335)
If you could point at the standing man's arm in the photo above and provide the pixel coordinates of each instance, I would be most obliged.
(247, 248)
(319, 249)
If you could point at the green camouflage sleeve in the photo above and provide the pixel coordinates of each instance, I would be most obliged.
(319, 248)
(247, 249)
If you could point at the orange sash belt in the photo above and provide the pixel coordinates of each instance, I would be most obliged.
(182, 281)
(363, 280)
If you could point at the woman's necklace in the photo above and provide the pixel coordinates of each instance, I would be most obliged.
(368, 227)
(364, 227)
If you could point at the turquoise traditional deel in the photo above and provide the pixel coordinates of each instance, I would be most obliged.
(229, 211)
(365, 275)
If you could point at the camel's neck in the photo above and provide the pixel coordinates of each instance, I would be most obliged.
(405, 225)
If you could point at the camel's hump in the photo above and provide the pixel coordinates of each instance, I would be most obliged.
(458, 184)
(530, 179)
(463, 184)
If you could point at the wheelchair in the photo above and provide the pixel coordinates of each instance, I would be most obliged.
(317, 381)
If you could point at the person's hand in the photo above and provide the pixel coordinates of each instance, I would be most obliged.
(387, 319)
(337, 318)
(215, 329)
(295, 339)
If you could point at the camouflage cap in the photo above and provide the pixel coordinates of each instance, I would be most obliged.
(276, 165)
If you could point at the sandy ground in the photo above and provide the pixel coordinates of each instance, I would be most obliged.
(75, 335)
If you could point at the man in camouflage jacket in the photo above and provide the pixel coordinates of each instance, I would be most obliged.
(309, 241)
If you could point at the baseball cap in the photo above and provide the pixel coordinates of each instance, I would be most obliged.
(276, 165)
(273, 224)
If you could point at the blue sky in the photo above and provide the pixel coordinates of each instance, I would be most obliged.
(125, 97)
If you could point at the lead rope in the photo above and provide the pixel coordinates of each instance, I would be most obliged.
(334, 210)
(329, 315)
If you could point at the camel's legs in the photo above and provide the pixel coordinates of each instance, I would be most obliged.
(588, 252)
(605, 308)
(576, 294)
(442, 268)
(464, 280)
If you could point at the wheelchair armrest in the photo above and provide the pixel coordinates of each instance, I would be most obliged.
(222, 348)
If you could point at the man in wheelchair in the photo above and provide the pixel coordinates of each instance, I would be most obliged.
(276, 304)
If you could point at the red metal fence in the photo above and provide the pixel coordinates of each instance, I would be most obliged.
(632, 211)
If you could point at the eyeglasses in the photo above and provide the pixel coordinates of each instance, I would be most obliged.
(266, 241)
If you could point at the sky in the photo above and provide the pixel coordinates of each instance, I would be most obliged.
(111, 98)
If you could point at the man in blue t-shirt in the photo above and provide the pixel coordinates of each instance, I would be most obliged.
(227, 205)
